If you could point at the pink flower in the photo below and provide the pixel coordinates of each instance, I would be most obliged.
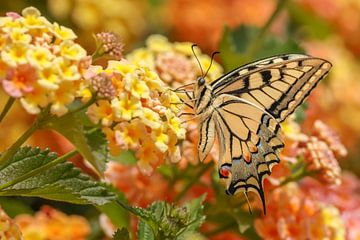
(19, 80)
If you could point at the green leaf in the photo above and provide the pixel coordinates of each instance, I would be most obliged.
(144, 231)
(35, 173)
(309, 23)
(13, 206)
(90, 144)
(167, 221)
(235, 44)
(121, 234)
(232, 48)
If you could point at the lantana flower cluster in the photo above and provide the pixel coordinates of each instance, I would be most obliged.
(175, 62)
(40, 63)
(8, 228)
(137, 112)
(294, 215)
(49, 223)
(176, 65)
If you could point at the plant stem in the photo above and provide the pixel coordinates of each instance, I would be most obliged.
(204, 168)
(7, 107)
(256, 44)
(86, 105)
(39, 170)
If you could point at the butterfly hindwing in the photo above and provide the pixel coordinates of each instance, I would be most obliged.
(249, 143)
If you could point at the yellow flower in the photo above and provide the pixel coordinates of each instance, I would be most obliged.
(185, 48)
(8, 24)
(126, 107)
(160, 138)
(72, 51)
(62, 32)
(146, 155)
(173, 148)
(20, 35)
(123, 67)
(152, 79)
(142, 56)
(328, 224)
(114, 148)
(61, 97)
(158, 43)
(151, 118)
(67, 70)
(34, 100)
(130, 133)
(171, 100)
(40, 57)
(102, 110)
(33, 19)
(175, 124)
(15, 54)
(49, 79)
(136, 86)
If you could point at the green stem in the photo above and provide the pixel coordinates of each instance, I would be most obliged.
(7, 107)
(86, 105)
(204, 168)
(257, 43)
(39, 170)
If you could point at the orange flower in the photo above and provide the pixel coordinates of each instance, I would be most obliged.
(211, 17)
(52, 224)
(143, 190)
(8, 228)
(294, 215)
(345, 197)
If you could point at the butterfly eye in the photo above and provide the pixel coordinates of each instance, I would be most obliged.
(224, 171)
(201, 81)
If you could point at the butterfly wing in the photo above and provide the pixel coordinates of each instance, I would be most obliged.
(277, 84)
(249, 143)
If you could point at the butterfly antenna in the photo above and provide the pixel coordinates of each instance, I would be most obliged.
(212, 59)
(192, 48)
(248, 202)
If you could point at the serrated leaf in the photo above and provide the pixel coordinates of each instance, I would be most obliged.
(121, 234)
(195, 208)
(70, 126)
(168, 221)
(144, 231)
(36, 173)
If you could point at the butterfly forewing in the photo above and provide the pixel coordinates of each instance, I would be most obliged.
(277, 84)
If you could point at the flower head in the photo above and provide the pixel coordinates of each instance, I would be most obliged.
(136, 116)
(39, 57)
(50, 223)
(110, 44)
(294, 215)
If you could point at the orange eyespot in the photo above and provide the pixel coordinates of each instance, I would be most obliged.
(224, 171)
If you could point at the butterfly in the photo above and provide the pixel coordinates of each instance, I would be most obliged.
(244, 109)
